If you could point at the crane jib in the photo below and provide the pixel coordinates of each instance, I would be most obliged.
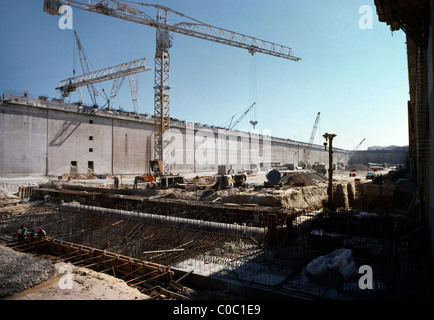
(203, 31)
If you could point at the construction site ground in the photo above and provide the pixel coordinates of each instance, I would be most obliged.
(278, 267)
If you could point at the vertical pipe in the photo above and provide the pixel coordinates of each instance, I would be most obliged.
(112, 155)
(329, 137)
(330, 188)
(46, 146)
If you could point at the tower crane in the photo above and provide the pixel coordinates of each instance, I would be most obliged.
(85, 67)
(306, 154)
(191, 27)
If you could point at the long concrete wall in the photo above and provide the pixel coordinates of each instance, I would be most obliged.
(46, 137)
(380, 156)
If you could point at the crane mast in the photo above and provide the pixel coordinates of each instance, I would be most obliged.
(191, 27)
(161, 84)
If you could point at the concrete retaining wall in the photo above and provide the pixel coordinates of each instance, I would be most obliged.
(380, 156)
(46, 137)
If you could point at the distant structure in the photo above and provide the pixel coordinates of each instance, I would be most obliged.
(392, 155)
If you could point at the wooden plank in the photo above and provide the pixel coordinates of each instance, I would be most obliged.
(115, 267)
(141, 276)
(146, 280)
(76, 256)
(86, 260)
(98, 262)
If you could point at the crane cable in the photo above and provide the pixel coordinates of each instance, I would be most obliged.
(253, 88)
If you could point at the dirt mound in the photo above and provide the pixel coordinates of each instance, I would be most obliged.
(303, 179)
(307, 198)
(84, 284)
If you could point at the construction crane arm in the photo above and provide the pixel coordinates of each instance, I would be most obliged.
(312, 137)
(240, 118)
(85, 67)
(117, 71)
(193, 27)
(355, 149)
(352, 152)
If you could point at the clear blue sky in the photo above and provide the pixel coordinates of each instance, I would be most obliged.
(357, 78)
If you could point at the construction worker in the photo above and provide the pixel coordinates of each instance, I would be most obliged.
(32, 235)
(41, 234)
(23, 231)
(135, 182)
(116, 181)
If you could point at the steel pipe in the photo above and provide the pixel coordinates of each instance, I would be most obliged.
(226, 228)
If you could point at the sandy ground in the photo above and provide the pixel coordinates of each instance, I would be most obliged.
(76, 283)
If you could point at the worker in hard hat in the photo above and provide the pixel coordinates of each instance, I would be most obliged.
(22, 232)
(32, 235)
(41, 234)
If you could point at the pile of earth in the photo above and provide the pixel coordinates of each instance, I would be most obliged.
(303, 179)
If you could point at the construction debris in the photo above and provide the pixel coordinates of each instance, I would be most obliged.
(20, 271)
(335, 267)
(8, 199)
(303, 179)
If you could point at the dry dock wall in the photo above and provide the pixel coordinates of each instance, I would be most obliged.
(380, 156)
(48, 137)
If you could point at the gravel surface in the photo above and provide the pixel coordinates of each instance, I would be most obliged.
(20, 271)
